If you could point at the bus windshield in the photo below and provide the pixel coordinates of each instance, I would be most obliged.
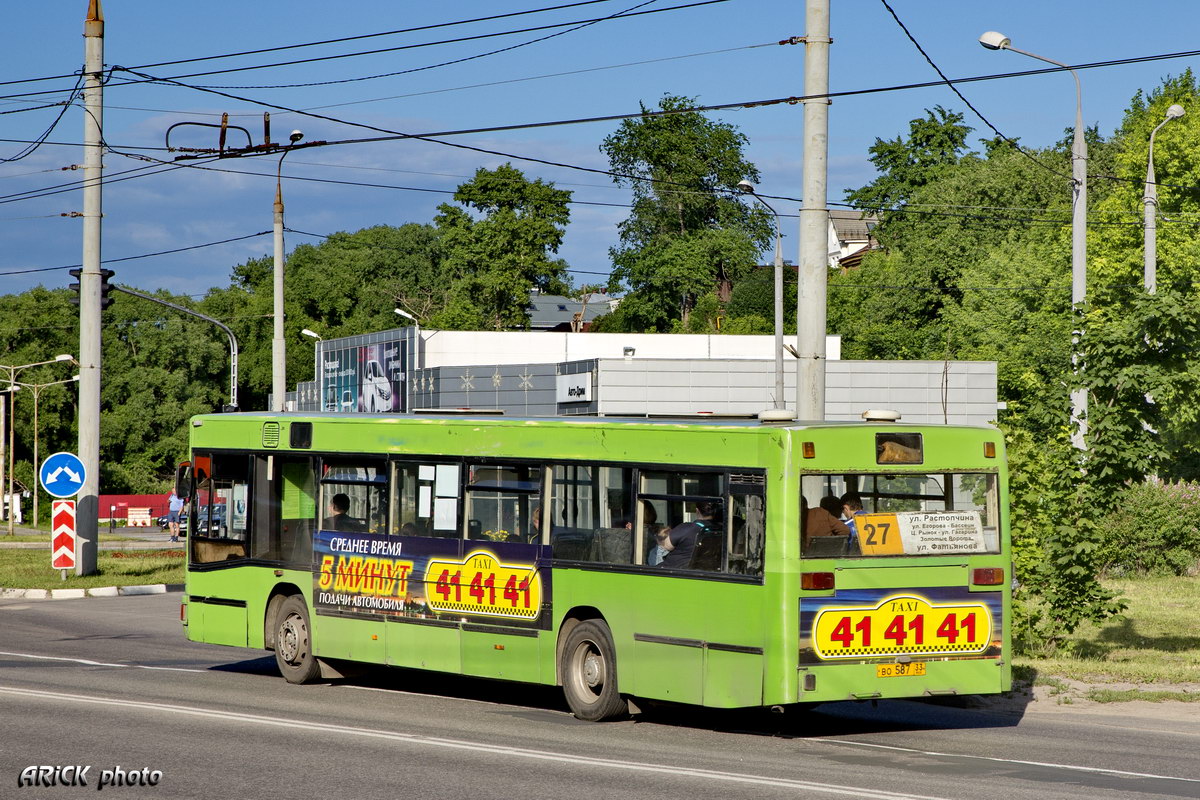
(900, 514)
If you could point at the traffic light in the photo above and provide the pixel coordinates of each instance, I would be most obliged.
(74, 287)
(105, 287)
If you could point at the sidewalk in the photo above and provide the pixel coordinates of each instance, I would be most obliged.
(138, 539)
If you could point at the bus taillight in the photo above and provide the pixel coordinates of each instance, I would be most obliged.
(816, 580)
(987, 576)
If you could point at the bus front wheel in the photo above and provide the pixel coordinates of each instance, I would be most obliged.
(293, 642)
(589, 673)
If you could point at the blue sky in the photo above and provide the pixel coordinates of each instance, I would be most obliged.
(719, 53)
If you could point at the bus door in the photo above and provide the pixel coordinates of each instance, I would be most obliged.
(699, 634)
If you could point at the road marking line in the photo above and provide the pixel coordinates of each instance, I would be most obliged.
(458, 744)
(1101, 770)
(88, 663)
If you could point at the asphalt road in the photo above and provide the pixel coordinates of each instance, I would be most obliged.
(111, 683)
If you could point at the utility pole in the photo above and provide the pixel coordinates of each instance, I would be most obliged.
(278, 348)
(87, 510)
(813, 274)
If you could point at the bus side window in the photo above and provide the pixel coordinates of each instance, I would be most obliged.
(354, 495)
(592, 513)
(221, 511)
(748, 530)
(414, 487)
(692, 526)
(503, 502)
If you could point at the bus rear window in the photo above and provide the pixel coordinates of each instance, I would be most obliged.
(900, 515)
(899, 448)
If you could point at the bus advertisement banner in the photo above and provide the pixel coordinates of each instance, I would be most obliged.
(369, 574)
(866, 624)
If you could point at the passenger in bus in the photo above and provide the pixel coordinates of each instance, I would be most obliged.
(652, 532)
(819, 522)
(851, 505)
(337, 520)
(833, 504)
(680, 541)
(535, 528)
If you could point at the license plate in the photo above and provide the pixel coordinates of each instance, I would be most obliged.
(899, 670)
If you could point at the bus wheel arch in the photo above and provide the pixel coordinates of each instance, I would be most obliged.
(270, 616)
(587, 666)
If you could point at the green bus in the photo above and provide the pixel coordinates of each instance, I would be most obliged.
(621, 559)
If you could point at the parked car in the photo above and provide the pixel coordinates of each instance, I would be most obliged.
(166, 526)
(219, 523)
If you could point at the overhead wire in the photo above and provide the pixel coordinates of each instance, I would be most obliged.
(340, 40)
(949, 83)
(578, 24)
(32, 147)
(142, 255)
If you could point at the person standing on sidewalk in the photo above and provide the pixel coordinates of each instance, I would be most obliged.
(174, 506)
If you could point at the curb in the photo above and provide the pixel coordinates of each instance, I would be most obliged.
(99, 591)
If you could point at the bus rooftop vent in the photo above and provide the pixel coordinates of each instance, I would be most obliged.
(881, 415)
(270, 434)
(775, 415)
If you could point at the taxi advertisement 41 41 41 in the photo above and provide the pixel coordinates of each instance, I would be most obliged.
(901, 624)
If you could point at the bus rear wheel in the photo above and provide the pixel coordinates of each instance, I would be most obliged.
(589, 673)
(293, 642)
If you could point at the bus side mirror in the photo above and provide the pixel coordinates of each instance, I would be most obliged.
(183, 481)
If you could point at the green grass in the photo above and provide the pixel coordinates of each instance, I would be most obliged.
(30, 569)
(45, 537)
(1154, 643)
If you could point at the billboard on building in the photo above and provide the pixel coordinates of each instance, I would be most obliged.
(369, 378)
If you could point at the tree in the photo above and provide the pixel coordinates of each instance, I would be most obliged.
(348, 284)
(689, 233)
(935, 141)
(493, 260)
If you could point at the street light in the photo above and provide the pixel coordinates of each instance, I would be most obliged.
(998, 41)
(1150, 199)
(11, 459)
(748, 188)
(318, 375)
(278, 348)
(10, 389)
(37, 389)
(416, 350)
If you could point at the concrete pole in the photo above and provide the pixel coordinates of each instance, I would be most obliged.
(37, 489)
(12, 424)
(87, 510)
(278, 347)
(814, 220)
(1150, 199)
(1079, 397)
(779, 401)
(3, 447)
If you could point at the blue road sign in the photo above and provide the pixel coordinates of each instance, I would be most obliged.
(62, 474)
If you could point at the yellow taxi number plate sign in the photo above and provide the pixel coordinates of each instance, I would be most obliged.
(479, 584)
(900, 670)
(901, 625)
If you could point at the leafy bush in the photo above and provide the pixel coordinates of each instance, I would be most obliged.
(1056, 544)
(1154, 530)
